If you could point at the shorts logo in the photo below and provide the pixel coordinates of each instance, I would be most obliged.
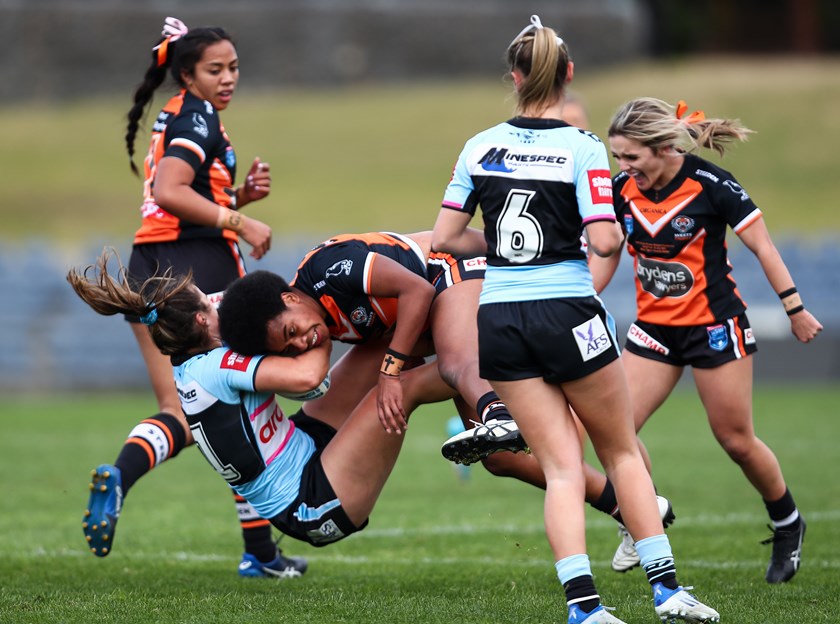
(359, 316)
(638, 336)
(478, 263)
(749, 337)
(592, 338)
(600, 186)
(326, 533)
(235, 361)
(718, 338)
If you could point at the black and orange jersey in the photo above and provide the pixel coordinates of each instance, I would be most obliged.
(677, 238)
(188, 128)
(337, 273)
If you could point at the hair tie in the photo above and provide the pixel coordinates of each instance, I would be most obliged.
(536, 24)
(150, 317)
(173, 29)
(693, 118)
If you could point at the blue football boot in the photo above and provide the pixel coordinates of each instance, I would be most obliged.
(103, 510)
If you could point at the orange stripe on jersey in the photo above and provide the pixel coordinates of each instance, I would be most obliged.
(190, 145)
(143, 444)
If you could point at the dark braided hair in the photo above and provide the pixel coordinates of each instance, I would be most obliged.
(181, 58)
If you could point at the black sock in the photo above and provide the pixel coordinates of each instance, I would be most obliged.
(256, 531)
(581, 591)
(783, 512)
(607, 502)
(150, 443)
(662, 571)
(490, 407)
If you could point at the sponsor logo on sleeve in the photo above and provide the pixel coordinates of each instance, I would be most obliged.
(235, 361)
(592, 338)
(736, 188)
(200, 126)
(342, 266)
(600, 185)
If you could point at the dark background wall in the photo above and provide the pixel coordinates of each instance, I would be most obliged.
(60, 48)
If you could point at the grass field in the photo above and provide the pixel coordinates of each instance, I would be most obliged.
(374, 157)
(438, 548)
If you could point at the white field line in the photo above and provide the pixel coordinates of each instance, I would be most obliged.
(484, 531)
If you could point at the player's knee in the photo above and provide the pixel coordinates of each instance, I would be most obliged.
(500, 464)
(737, 447)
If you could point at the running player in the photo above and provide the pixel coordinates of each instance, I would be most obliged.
(675, 208)
(545, 340)
(190, 221)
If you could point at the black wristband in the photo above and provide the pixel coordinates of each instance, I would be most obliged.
(793, 311)
(788, 292)
(397, 354)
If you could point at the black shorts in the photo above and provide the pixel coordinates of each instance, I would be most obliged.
(445, 270)
(557, 339)
(700, 346)
(316, 515)
(215, 263)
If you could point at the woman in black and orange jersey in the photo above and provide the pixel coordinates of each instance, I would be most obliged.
(675, 208)
(190, 222)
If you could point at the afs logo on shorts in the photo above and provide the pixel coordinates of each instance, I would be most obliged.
(592, 338)
(718, 338)
(235, 361)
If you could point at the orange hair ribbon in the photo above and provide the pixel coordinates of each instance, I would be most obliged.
(694, 117)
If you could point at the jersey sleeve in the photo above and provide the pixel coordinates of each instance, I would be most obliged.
(344, 268)
(593, 181)
(191, 136)
(236, 372)
(734, 204)
(460, 188)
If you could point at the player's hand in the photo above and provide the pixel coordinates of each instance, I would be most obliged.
(389, 404)
(257, 183)
(257, 234)
(804, 326)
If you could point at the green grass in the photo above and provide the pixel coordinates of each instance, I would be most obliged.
(379, 157)
(438, 549)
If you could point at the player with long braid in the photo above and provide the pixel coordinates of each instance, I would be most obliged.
(190, 222)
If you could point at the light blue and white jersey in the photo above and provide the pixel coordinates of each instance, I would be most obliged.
(538, 182)
(242, 433)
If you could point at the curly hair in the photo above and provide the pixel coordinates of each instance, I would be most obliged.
(248, 305)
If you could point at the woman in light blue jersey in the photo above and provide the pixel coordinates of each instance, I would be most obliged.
(546, 343)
